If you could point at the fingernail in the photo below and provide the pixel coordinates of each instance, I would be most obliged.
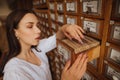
(81, 42)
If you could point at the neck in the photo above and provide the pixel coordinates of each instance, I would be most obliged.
(25, 51)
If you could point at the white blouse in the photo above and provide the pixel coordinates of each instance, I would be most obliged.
(18, 69)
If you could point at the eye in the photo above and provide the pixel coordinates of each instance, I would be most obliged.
(30, 26)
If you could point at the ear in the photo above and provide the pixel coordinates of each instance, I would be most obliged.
(16, 32)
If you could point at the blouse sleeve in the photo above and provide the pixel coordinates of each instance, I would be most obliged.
(47, 44)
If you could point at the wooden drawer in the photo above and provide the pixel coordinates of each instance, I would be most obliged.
(71, 6)
(116, 10)
(113, 54)
(60, 7)
(93, 27)
(70, 19)
(114, 33)
(53, 16)
(52, 6)
(71, 49)
(92, 8)
(61, 18)
(110, 72)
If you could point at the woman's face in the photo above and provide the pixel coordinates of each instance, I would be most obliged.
(28, 31)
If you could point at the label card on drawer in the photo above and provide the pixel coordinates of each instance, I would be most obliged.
(71, 20)
(90, 26)
(71, 6)
(60, 18)
(51, 6)
(91, 6)
(115, 55)
(52, 16)
(60, 7)
(116, 34)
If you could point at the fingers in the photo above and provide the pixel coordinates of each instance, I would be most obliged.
(67, 66)
(77, 33)
(81, 29)
(83, 62)
(75, 64)
(68, 36)
(81, 68)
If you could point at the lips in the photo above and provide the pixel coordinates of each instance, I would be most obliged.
(38, 38)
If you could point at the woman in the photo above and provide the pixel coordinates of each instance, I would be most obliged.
(27, 53)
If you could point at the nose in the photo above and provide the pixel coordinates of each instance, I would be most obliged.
(37, 30)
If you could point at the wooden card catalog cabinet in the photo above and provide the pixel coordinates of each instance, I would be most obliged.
(111, 72)
(60, 18)
(113, 54)
(116, 10)
(71, 6)
(71, 49)
(92, 8)
(71, 19)
(60, 7)
(114, 32)
(93, 27)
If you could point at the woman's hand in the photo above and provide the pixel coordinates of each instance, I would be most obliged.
(71, 31)
(77, 70)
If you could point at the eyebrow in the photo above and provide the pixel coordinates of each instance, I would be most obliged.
(30, 22)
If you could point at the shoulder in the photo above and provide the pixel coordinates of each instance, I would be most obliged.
(11, 65)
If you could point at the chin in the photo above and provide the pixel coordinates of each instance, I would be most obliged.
(35, 44)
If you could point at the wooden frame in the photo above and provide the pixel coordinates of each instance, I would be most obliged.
(116, 10)
(114, 31)
(111, 73)
(92, 8)
(93, 27)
